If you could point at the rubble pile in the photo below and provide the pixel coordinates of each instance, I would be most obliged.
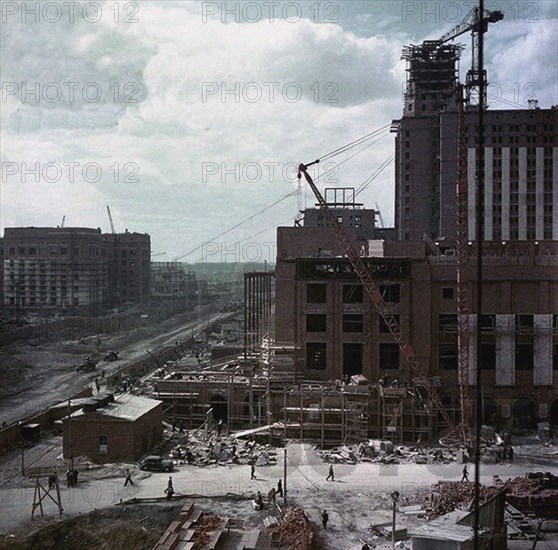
(295, 530)
(223, 450)
(203, 530)
(385, 452)
(448, 496)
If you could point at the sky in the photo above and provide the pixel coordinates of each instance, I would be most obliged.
(188, 118)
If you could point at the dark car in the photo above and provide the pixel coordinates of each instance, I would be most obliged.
(111, 356)
(156, 464)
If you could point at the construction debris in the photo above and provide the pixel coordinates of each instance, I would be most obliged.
(385, 452)
(295, 530)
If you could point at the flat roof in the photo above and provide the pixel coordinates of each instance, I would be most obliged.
(445, 528)
(125, 406)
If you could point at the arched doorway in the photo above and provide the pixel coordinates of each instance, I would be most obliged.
(219, 405)
(489, 411)
(523, 414)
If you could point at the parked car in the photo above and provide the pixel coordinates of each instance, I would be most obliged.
(156, 463)
(88, 365)
(111, 356)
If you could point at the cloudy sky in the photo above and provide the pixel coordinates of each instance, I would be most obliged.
(188, 117)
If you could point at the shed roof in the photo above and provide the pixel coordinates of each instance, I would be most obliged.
(125, 407)
(444, 528)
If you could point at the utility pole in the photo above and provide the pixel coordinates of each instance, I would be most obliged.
(395, 498)
(285, 476)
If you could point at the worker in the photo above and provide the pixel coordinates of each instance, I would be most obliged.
(325, 518)
(173, 425)
(330, 475)
(128, 478)
(465, 474)
(169, 491)
(180, 427)
(97, 385)
(258, 501)
(51, 481)
(69, 478)
(219, 426)
(271, 497)
(252, 471)
(280, 488)
(75, 477)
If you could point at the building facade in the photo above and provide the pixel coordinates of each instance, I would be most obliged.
(520, 165)
(173, 284)
(54, 269)
(109, 429)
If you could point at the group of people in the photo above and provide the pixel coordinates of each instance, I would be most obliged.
(271, 496)
(72, 477)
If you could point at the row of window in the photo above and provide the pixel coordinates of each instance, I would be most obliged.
(352, 322)
(316, 293)
(316, 356)
(55, 250)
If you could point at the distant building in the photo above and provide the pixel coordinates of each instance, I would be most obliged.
(129, 267)
(54, 269)
(521, 158)
(173, 285)
(109, 429)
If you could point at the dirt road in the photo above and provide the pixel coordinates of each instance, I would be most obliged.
(53, 377)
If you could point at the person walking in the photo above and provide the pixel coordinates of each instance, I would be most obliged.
(330, 475)
(465, 474)
(280, 488)
(325, 518)
(252, 471)
(169, 491)
(219, 426)
(128, 478)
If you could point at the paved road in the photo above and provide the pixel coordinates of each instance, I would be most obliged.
(62, 381)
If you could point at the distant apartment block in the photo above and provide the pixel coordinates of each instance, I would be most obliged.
(172, 283)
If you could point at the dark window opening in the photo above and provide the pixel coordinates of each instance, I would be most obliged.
(524, 321)
(524, 357)
(447, 322)
(447, 356)
(316, 293)
(315, 322)
(316, 355)
(389, 356)
(384, 329)
(488, 356)
(352, 322)
(448, 293)
(487, 321)
(352, 294)
(352, 359)
(391, 293)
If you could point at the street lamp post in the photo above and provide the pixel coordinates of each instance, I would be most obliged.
(395, 498)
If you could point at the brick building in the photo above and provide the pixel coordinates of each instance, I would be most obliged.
(172, 284)
(521, 158)
(109, 429)
(54, 269)
(321, 309)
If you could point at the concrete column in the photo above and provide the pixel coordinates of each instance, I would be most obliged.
(488, 193)
(522, 196)
(505, 193)
(539, 196)
(542, 349)
(505, 350)
(472, 349)
(555, 193)
(472, 190)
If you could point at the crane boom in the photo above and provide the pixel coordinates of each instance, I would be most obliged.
(110, 220)
(377, 299)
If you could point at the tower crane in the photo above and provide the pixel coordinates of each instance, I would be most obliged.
(63, 221)
(377, 299)
(476, 24)
(110, 220)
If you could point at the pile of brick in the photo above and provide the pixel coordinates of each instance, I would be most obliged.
(456, 495)
(223, 450)
(385, 452)
(295, 530)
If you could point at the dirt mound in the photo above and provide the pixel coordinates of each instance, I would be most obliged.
(133, 528)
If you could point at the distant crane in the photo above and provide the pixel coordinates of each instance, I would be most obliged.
(63, 221)
(110, 220)
(158, 254)
(379, 212)
(476, 24)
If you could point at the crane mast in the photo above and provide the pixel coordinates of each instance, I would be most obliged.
(377, 299)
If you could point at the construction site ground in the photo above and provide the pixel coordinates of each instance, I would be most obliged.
(358, 498)
(37, 374)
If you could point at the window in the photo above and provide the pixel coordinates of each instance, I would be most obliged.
(390, 293)
(447, 355)
(487, 321)
(352, 322)
(488, 356)
(447, 322)
(384, 329)
(524, 357)
(103, 444)
(316, 293)
(32, 251)
(352, 294)
(315, 322)
(389, 356)
(448, 293)
(316, 355)
(63, 251)
(352, 359)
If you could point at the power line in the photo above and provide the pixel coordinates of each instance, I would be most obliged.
(354, 143)
(363, 186)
